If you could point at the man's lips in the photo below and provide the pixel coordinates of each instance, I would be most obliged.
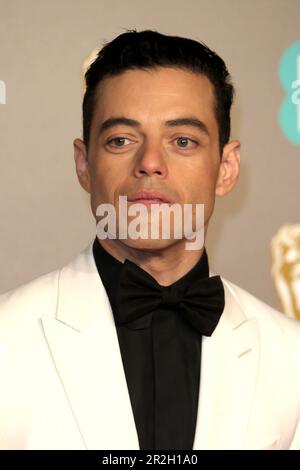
(149, 197)
(148, 201)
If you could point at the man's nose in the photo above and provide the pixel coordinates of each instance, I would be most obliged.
(150, 160)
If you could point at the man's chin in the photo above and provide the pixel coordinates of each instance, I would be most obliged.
(150, 244)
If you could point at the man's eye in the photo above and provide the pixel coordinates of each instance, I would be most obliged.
(118, 141)
(185, 142)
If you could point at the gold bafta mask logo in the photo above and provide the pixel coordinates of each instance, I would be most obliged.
(285, 247)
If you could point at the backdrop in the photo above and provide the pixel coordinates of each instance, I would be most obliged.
(45, 215)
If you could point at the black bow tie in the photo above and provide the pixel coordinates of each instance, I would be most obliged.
(139, 294)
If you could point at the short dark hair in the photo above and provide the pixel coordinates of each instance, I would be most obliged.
(149, 50)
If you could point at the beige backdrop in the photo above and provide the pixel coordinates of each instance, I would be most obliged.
(45, 217)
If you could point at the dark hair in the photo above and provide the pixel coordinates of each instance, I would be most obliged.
(150, 49)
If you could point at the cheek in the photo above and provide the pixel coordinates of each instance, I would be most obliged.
(198, 177)
(201, 189)
(99, 186)
(201, 186)
(106, 179)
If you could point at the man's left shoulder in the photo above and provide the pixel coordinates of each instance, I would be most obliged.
(266, 315)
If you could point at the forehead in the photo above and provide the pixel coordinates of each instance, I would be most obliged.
(156, 93)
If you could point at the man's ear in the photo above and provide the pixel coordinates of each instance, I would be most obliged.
(82, 165)
(229, 168)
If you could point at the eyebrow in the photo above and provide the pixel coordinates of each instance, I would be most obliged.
(111, 122)
(188, 121)
(182, 121)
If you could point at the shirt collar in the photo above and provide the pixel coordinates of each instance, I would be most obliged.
(109, 269)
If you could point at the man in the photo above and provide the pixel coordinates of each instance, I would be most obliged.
(134, 344)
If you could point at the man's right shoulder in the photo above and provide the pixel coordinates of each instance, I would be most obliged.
(31, 299)
(37, 297)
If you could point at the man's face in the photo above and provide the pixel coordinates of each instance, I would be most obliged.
(170, 142)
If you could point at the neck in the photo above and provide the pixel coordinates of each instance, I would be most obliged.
(166, 265)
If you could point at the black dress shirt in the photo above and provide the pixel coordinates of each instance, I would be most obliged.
(161, 361)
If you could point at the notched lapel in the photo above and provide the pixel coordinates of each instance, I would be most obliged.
(228, 379)
(88, 360)
(92, 376)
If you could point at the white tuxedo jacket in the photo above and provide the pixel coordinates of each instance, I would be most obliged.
(63, 386)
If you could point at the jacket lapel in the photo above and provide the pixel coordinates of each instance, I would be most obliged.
(228, 378)
(90, 369)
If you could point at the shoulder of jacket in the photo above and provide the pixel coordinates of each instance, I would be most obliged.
(265, 314)
(30, 299)
(40, 295)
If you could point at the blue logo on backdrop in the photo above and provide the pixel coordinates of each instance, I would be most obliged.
(289, 74)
